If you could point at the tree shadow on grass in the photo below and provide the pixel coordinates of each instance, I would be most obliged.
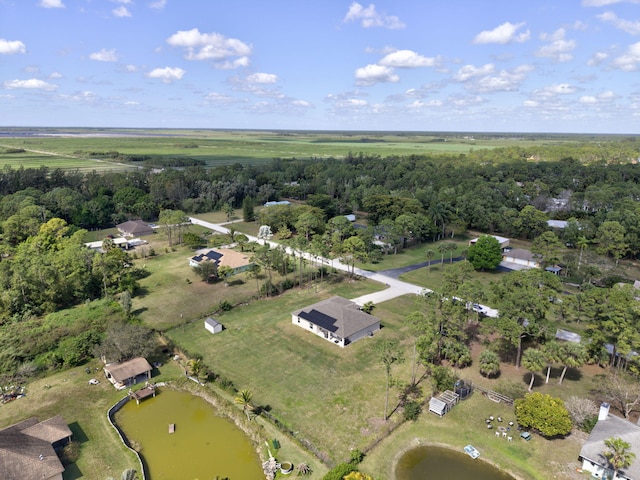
(72, 472)
(78, 433)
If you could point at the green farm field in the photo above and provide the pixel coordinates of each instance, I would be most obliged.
(85, 148)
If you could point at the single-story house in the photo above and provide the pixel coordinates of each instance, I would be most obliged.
(272, 204)
(337, 320)
(238, 261)
(128, 373)
(28, 449)
(522, 258)
(212, 325)
(504, 242)
(134, 228)
(351, 217)
(121, 242)
(610, 426)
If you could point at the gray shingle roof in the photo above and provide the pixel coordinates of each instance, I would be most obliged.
(25, 455)
(613, 427)
(337, 315)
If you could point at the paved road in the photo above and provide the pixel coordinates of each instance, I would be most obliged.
(395, 288)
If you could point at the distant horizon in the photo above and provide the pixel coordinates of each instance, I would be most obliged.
(556, 66)
(363, 131)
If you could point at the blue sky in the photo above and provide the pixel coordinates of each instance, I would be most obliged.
(456, 65)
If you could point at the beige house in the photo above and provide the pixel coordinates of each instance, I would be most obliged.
(28, 449)
(337, 320)
(519, 258)
(237, 261)
(128, 373)
(134, 228)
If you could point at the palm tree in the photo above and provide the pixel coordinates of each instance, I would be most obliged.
(452, 247)
(551, 352)
(489, 363)
(429, 254)
(618, 454)
(533, 360)
(571, 355)
(582, 244)
(244, 398)
(443, 248)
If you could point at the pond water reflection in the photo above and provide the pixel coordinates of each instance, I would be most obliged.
(203, 445)
(438, 462)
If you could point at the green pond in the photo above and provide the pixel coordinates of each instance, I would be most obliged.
(202, 446)
(437, 462)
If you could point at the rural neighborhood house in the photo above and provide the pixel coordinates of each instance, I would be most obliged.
(337, 320)
(28, 449)
(128, 373)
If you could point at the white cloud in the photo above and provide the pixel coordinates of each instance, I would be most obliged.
(131, 102)
(407, 59)
(372, 74)
(630, 60)
(503, 34)
(10, 47)
(485, 79)
(628, 26)
(126, 2)
(159, 5)
(212, 46)
(84, 96)
(121, 12)
(419, 104)
(555, 90)
(601, 98)
(370, 18)
(55, 75)
(558, 48)
(469, 71)
(104, 55)
(51, 4)
(301, 103)
(131, 68)
(597, 58)
(167, 74)
(32, 84)
(263, 78)
(604, 3)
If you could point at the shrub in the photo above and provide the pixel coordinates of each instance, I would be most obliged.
(580, 409)
(543, 413)
(412, 411)
(225, 306)
(339, 471)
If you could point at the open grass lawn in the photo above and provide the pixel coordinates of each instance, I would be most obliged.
(537, 459)
(333, 397)
(417, 254)
(431, 277)
(84, 407)
(54, 160)
(217, 147)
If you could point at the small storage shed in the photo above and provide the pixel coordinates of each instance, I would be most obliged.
(443, 402)
(212, 325)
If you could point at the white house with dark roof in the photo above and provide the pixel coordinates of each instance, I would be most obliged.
(337, 320)
(610, 426)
